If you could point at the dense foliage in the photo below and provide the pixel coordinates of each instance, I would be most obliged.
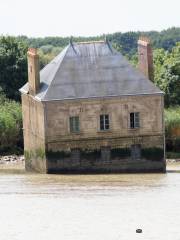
(10, 125)
(47, 53)
(167, 73)
(13, 66)
(172, 120)
(126, 42)
(172, 128)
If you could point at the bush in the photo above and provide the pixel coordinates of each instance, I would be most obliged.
(173, 155)
(13, 66)
(172, 127)
(172, 120)
(10, 126)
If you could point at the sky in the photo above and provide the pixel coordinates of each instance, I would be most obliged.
(39, 18)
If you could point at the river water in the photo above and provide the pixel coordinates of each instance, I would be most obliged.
(89, 207)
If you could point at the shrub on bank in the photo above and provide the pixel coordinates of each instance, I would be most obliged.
(173, 155)
(172, 128)
(172, 121)
(10, 126)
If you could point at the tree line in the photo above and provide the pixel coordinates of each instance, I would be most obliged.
(126, 42)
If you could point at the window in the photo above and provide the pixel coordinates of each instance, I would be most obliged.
(74, 124)
(104, 122)
(134, 120)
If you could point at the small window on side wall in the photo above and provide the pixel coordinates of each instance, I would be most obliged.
(104, 122)
(134, 120)
(74, 124)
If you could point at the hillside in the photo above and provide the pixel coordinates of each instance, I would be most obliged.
(126, 42)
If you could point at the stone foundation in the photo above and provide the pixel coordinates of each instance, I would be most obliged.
(110, 161)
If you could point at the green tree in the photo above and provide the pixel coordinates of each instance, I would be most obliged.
(167, 74)
(13, 66)
(11, 139)
(47, 53)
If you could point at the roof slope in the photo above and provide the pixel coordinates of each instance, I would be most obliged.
(92, 69)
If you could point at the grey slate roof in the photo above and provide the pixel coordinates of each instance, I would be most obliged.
(92, 69)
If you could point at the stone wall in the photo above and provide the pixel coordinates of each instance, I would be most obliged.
(33, 130)
(51, 147)
(106, 160)
(57, 115)
(83, 151)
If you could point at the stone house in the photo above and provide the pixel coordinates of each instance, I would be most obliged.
(89, 111)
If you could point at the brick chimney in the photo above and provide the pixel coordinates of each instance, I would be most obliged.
(33, 71)
(145, 56)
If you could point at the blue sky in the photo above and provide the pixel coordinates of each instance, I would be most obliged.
(81, 17)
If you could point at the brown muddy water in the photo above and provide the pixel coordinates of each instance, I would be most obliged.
(89, 207)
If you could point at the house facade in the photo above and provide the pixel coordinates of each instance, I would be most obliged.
(90, 111)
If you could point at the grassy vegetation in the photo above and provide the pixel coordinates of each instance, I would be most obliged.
(10, 126)
(172, 155)
(172, 120)
(172, 127)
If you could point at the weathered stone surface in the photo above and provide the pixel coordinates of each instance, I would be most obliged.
(49, 145)
(34, 137)
(145, 56)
